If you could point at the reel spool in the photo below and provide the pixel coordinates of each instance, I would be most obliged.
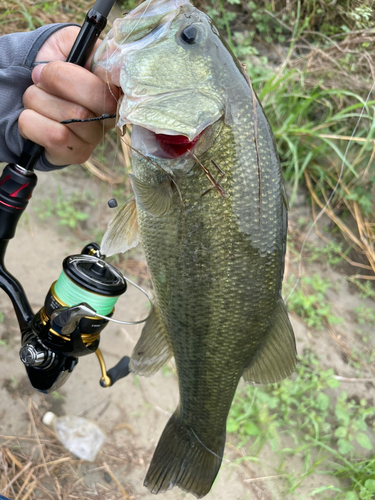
(67, 326)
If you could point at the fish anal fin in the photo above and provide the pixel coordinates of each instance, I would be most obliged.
(181, 459)
(277, 358)
(122, 231)
(152, 350)
(154, 199)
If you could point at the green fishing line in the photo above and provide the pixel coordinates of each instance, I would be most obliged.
(72, 295)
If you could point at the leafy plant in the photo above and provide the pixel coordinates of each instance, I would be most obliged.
(65, 208)
(366, 290)
(365, 315)
(310, 303)
(307, 411)
(330, 253)
(362, 16)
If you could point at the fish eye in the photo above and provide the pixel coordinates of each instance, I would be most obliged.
(189, 34)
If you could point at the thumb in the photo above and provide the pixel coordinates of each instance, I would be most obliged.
(58, 46)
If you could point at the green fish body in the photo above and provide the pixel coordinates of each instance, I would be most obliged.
(211, 214)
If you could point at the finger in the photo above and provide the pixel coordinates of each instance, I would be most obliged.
(58, 46)
(62, 146)
(76, 84)
(59, 110)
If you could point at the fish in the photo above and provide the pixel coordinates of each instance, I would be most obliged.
(210, 210)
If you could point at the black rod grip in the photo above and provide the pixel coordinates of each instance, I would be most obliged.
(103, 6)
(95, 22)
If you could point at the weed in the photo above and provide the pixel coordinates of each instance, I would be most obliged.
(136, 381)
(27, 14)
(306, 411)
(366, 290)
(362, 16)
(365, 315)
(310, 303)
(167, 371)
(361, 474)
(58, 396)
(331, 253)
(65, 208)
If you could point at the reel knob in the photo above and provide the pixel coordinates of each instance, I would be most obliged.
(34, 354)
(30, 356)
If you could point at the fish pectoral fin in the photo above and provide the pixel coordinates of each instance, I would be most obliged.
(155, 200)
(122, 231)
(152, 350)
(277, 358)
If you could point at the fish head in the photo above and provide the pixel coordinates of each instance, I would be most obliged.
(167, 57)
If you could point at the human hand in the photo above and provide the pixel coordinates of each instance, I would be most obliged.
(63, 91)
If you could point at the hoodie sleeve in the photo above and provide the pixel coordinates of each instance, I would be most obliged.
(17, 55)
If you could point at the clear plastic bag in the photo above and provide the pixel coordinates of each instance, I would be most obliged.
(80, 436)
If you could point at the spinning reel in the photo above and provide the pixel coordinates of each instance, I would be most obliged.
(81, 302)
(67, 327)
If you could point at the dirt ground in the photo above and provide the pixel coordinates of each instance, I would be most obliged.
(134, 411)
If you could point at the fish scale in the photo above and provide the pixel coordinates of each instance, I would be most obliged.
(218, 288)
(216, 262)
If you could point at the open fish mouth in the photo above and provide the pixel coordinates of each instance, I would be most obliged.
(161, 145)
(176, 145)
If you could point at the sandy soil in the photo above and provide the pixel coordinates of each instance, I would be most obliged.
(34, 257)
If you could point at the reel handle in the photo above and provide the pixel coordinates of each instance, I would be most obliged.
(119, 371)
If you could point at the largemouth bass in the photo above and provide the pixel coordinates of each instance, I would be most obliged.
(211, 213)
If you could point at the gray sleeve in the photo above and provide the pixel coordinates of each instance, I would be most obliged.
(17, 55)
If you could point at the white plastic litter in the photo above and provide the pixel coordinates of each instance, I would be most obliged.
(80, 436)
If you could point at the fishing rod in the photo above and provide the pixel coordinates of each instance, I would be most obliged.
(81, 302)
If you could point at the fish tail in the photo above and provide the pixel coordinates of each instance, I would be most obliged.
(182, 459)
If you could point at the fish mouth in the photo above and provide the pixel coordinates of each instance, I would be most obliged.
(176, 145)
(161, 145)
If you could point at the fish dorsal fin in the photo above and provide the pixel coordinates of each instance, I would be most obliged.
(152, 350)
(154, 199)
(277, 358)
(122, 231)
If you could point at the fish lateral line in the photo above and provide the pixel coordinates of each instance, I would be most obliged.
(257, 149)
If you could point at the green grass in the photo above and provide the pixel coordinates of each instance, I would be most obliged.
(309, 417)
(310, 302)
(66, 208)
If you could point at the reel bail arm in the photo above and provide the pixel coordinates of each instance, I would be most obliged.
(66, 320)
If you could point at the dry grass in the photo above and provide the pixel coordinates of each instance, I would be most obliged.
(25, 15)
(340, 62)
(364, 237)
(38, 466)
